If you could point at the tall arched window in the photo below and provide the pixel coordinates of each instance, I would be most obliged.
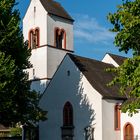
(31, 34)
(34, 38)
(60, 38)
(67, 129)
(37, 35)
(63, 33)
(68, 114)
(57, 37)
(117, 114)
(128, 131)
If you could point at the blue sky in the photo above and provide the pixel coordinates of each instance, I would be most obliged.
(91, 28)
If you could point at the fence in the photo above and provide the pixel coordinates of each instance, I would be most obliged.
(4, 132)
(5, 135)
(30, 133)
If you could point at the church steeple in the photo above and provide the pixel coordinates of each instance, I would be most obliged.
(49, 29)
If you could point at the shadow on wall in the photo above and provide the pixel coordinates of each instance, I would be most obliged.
(88, 114)
(67, 85)
(39, 85)
(84, 113)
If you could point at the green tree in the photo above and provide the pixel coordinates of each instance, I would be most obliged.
(17, 102)
(126, 23)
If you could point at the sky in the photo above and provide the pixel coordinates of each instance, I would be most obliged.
(92, 37)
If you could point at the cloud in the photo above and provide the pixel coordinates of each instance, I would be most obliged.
(88, 29)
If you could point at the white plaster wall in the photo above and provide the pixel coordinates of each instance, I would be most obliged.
(32, 20)
(38, 70)
(109, 133)
(108, 59)
(95, 103)
(134, 120)
(39, 85)
(54, 58)
(53, 22)
(39, 62)
(86, 102)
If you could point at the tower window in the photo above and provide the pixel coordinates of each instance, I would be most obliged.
(34, 38)
(117, 117)
(37, 37)
(68, 114)
(60, 38)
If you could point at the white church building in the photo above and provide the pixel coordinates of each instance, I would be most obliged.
(74, 89)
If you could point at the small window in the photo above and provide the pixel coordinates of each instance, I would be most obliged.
(60, 38)
(117, 117)
(68, 115)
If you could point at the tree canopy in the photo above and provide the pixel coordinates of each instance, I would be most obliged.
(126, 23)
(17, 102)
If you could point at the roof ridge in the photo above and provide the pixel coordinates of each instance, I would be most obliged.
(55, 8)
(116, 55)
(91, 59)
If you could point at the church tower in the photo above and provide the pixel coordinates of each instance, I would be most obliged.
(49, 30)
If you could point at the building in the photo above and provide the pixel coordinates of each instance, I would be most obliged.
(82, 107)
(49, 29)
(74, 89)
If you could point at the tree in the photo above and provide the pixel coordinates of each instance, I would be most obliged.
(17, 102)
(126, 23)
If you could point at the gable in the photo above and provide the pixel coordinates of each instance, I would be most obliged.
(33, 19)
(70, 85)
(69, 78)
(118, 59)
(30, 9)
(73, 68)
(113, 59)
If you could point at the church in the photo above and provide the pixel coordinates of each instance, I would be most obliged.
(74, 89)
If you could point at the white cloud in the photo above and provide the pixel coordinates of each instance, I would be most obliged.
(88, 29)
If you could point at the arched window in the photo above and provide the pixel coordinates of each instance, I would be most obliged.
(37, 35)
(117, 117)
(57, 37)
(60, 38)
(34, 38)
(31, 34)
(68, 114)
(128, 131)
(63, 33)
